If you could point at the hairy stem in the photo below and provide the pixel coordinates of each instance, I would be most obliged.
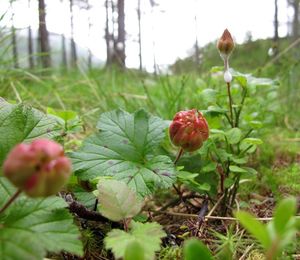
(10, 201)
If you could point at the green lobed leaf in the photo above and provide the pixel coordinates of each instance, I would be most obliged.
(20, 123)
(134, 251)
(194, 249)
(256, 228)
(125, 149)
(147, 235)
(117, 201)
(30, 228)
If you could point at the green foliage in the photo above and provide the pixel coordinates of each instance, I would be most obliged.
(279, 232)
(125, 148)
(229, 245)
(255, 227)
(234, 135)
(117, 201)
(134, 251)
(135, 155)
(170, 253)
(147, 236)
(281, 181)
(67, 119)
(20, 123)
(30, 228)
(194, 249)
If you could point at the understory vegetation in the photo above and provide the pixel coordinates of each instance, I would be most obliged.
(134, 192)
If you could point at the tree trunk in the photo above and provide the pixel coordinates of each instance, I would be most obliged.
(155, 67)
(73, 46)
(295, 23)
(140, 34)
(30, 44)
(107, 35)
(119, 44)
(14, 39)
(276, 36)
(296, 19)
(43, 36)
(197, 54)
(64, 60)
(90, 61)
(276, 22)
(64, 52)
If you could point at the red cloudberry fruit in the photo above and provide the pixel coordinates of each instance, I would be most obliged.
(40, 169)
(189, 130)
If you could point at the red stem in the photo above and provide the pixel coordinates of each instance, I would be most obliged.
(10, 201)
(180, 153)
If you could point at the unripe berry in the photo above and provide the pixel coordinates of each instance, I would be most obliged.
(189, 130)
(225, 44)
(40, 169)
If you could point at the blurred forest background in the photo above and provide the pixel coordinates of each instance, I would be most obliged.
(116, 31)
(122, 35)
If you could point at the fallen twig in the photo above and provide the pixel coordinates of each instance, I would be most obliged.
(207, 217)
(81, 211)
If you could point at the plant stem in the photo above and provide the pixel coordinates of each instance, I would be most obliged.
(10, 201)
(180, 153)
(175, 161)
(248, 133)
(230, 104)
(126, 223)
(234, 190)
(224, 202)
(241, 107)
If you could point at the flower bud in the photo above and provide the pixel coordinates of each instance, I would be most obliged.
(189, 130)
(225, 44)
(40, 169)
